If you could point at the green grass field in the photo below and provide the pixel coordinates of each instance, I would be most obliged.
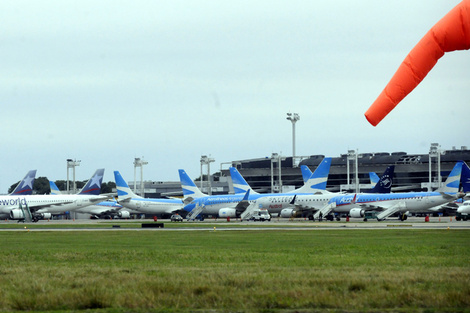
(236, 271)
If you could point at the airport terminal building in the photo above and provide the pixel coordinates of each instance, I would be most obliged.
(413, 172)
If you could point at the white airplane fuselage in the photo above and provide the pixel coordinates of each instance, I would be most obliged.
(464, 208)
(414, 201)
(48, 203)
(275, 204)
(153, 206)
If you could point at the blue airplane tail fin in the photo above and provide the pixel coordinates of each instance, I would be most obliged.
(123, 190)
(93, 186)
(189, 187)
(465, 179)
(384, 184)
(317, 181)
(306, 173)
(54, 189)
(239, 183)
(452, 183)
(25, 187)
(374, 178)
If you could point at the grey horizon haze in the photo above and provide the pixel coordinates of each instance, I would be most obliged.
(107, 81)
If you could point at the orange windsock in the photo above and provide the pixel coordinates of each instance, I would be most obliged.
(451, 33)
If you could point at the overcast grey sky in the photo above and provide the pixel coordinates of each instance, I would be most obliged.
(107, 81)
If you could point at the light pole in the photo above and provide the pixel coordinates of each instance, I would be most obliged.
(205, 160)
(293, 117)
(71, 164)
(274, 159)
(138, 162)
(352, 156)
(435, 152)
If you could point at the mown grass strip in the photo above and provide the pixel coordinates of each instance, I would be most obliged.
(344, 270)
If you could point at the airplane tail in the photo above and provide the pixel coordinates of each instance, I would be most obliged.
(465, 179)
(239, 183)
(123, 190)
(54, 189)
(374, 179)
(452, 183)
(384, 185)
(25, 187)
(306, 172)
(93, 186)
(317, 181)
(189, 187)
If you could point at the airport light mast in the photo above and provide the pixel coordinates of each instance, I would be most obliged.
(293, 117)
(138, 162)
(352, 156)
(205, 160)
(435, 152)
(72, 164)
(276, 158)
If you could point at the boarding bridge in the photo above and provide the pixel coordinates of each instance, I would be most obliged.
(324, 211)
(195, 212)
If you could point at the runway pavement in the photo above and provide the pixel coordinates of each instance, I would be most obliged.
(234, 224)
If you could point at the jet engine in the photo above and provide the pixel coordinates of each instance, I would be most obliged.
(287, 213)
(43, 216)
(356, 213)
(124, 214)
(227, 212)
(17, 214)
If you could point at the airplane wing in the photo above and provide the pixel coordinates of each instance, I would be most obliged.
(244, 203)
(102, 197)
(391, 210)
(36, 207)
(188, 200)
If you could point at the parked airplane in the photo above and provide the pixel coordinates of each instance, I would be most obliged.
(105, 209)
(88, 195)
(35, 207)
(451, 207)
(387, 204)
(25, 187)
(130, 200)
(307, 204)
(234, 205)
(464, 208)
